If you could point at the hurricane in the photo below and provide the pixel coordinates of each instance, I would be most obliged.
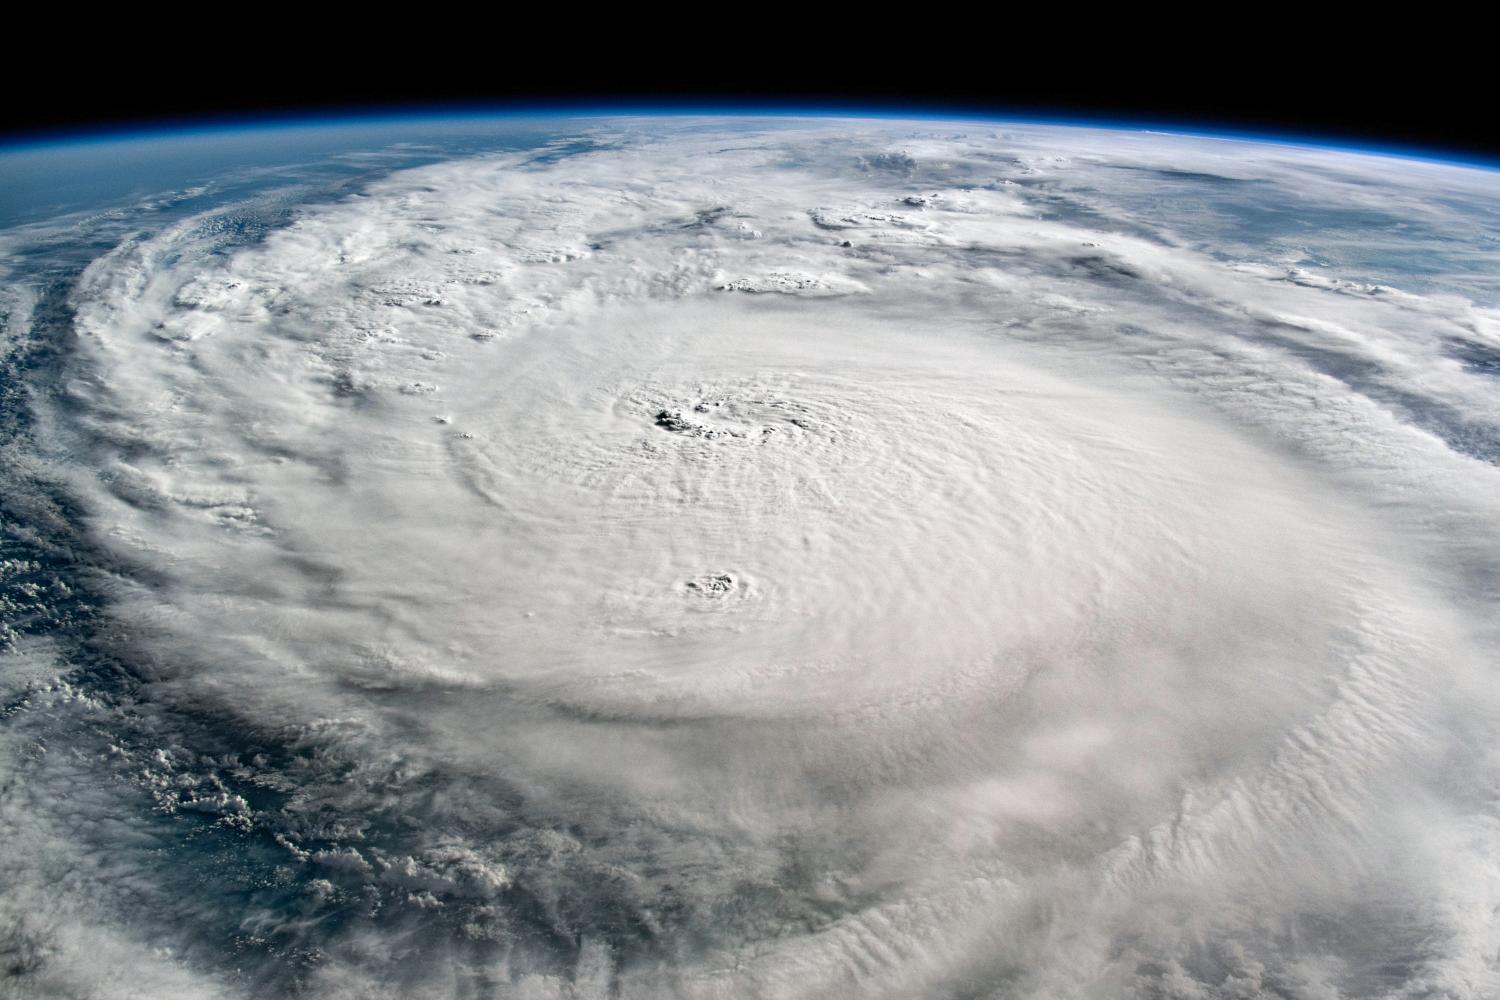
(715, 557)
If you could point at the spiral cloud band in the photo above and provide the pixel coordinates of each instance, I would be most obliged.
(785, 559)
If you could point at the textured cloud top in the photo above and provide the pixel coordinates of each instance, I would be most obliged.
(718, 559)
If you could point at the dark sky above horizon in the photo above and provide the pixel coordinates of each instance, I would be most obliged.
(1405, 91)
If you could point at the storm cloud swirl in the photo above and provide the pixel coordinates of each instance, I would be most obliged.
(785, 559)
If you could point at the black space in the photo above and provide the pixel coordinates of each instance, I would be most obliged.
(1389, 88)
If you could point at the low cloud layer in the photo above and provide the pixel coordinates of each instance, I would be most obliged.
(721, 559)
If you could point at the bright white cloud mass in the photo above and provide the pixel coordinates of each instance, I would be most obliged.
(779, 559)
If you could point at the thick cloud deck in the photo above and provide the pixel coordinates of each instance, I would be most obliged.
(722, 559)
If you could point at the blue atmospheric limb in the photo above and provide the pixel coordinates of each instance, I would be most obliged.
(510, 113)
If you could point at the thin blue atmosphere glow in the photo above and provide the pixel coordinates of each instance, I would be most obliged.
(394, 115)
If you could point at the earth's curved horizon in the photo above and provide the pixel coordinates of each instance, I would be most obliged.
(743, 556)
